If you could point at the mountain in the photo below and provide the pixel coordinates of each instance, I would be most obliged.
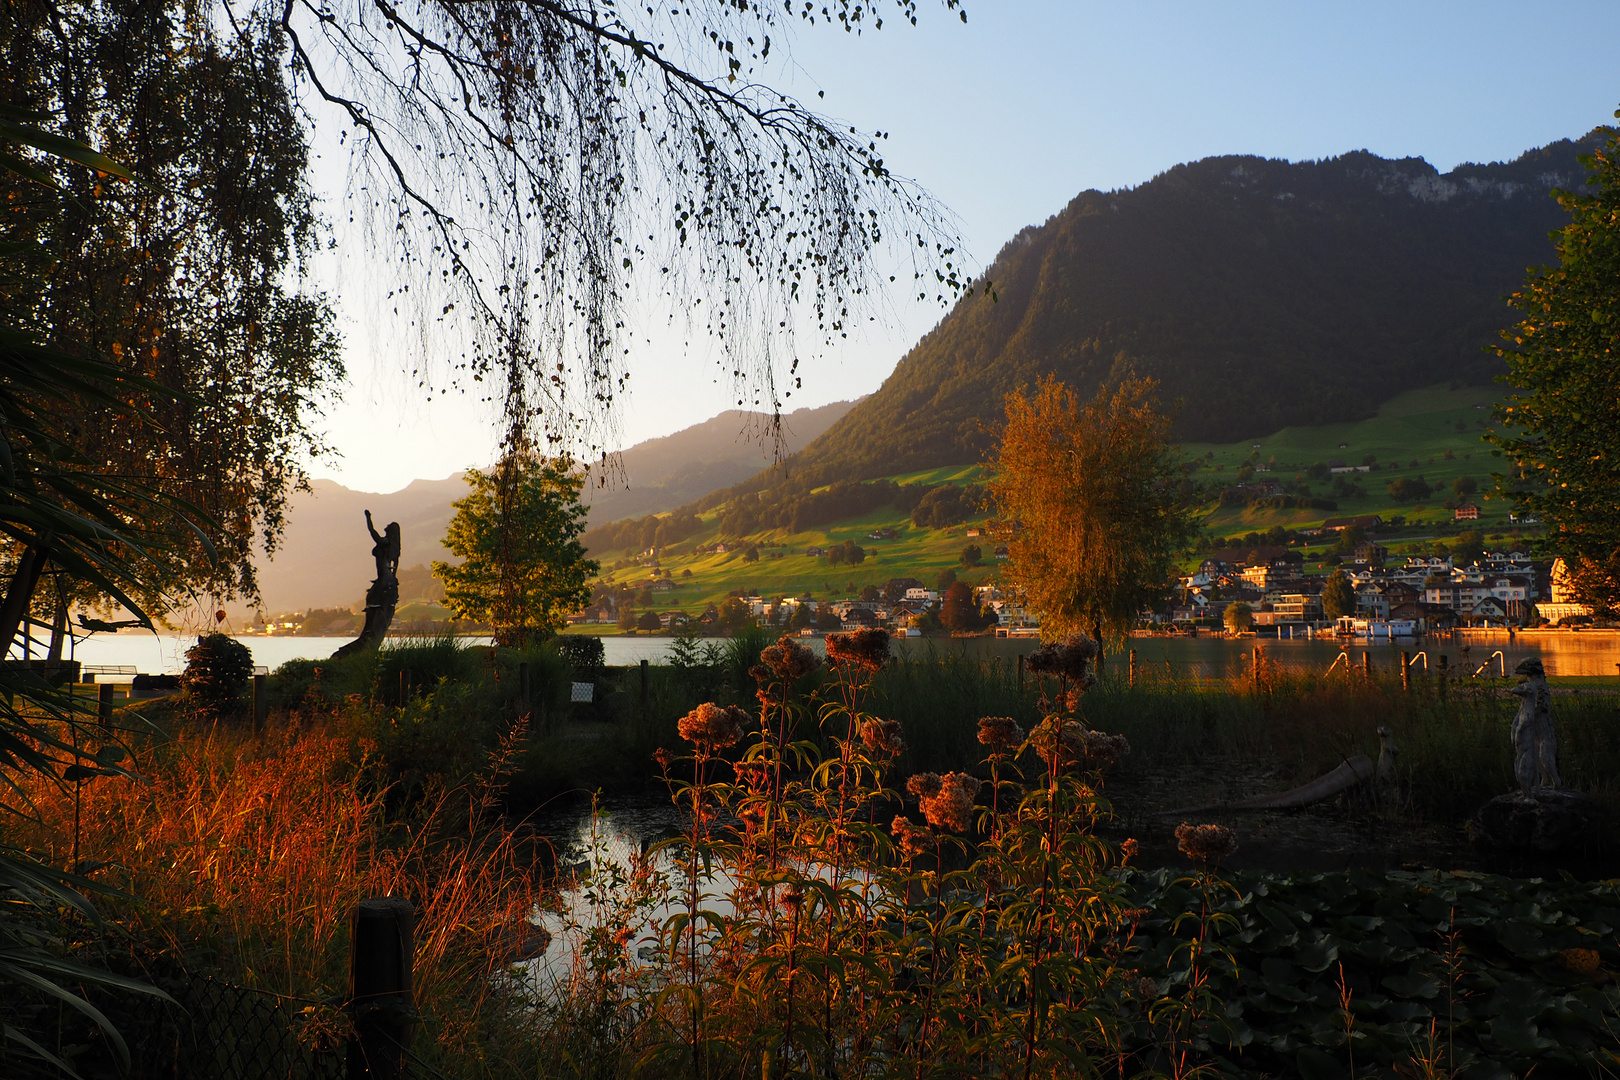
(325, 558)
(661, 474)
(1261, 293)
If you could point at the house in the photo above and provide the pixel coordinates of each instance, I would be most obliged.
(924, 596)
(721, 549)
(1368, 553)
(1364, 521)
(1465, 512)
(1002, 551)
(1524, 517)
(670, 619)
(1295, 607)
(975, 530)
(1351, 469)
(859, 619)
(815, 552)
(1563, 603)
(663, 585)
(1488, 610)
(884, 533)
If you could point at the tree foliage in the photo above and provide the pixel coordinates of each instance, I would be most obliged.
(532, 163)
(1338, 595)
(189, 278)
(1564, 360)
(1238, 617)
(1095, 486)
(522, 567)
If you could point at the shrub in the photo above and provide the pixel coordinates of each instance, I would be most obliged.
(218, 667)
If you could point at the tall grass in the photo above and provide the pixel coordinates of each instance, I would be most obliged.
(246, 854)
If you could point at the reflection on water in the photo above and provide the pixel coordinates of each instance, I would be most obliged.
(1587, 653)
(604, 853)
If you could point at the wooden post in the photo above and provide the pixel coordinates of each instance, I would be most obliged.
(1406, 670)
(1255, 663)
(404, 687)
(523, 687)
(1133, 669)
(104, 706)
(381, 951)
(1366, 665)
(261, 703)
(644, 690)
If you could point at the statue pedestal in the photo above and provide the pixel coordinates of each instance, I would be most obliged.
(1547, 822)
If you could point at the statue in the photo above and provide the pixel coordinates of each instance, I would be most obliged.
(383, 595)
(1535, 746)
(1541, 818)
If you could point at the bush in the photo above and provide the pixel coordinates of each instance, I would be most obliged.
(218, 668)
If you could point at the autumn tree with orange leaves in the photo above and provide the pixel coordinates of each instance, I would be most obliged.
(1097, 489)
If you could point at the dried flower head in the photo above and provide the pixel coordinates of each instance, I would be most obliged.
(1103, 748)
(1062, 743)
(789, 660)
(1147, 989)
(1000, 732)
(760, 673)
(1069, 659)
(951, 807)
(1128, 850)
(753, 774)
(793, 897)
(663, 756)
(883, 736)
(711, 727)
(1207, 844)
(924, 785)
(914, 839)
(864, 650)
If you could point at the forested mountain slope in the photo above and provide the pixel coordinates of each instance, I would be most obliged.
(1262, 293)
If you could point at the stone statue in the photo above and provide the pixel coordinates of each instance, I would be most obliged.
(383, 595)
(1535, 747)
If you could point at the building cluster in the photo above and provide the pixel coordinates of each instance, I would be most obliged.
(1414, 595)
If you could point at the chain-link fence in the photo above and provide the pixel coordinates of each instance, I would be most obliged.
(213, 1029)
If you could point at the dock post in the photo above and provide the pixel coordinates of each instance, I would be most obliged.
(104, 706)
(261, 703)
(1406, 670)
(1133, 669)
(1366, 665)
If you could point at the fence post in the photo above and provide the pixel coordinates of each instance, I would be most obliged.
(381, 952)
(1406, 670)
(644, 691)
(104, 706)
(261, 703)
(523, 686)
(1133, 669)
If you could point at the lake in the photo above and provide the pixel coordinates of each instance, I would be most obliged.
(1586, 653)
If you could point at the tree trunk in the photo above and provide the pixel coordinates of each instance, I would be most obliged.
(59, 626)
(20, 594)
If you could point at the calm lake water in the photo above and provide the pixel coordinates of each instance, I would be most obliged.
(1591, 653)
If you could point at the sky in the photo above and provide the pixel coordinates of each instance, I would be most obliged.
(1008, 117)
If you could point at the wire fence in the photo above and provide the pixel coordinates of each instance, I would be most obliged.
(215, 1029)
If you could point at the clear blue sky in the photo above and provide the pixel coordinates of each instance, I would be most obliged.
(1008, 117)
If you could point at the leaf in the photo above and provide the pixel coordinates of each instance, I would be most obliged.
(1313, 1064)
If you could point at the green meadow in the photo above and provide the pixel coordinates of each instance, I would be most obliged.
(1440, 429)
